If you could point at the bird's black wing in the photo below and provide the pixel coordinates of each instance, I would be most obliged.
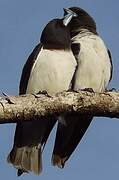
(27, 69)
(75, 49)
(69, 133)
(111, 70)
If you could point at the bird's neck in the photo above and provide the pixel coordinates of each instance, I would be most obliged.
(82, 32)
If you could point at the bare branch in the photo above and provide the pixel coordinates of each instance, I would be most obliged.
(30, 107)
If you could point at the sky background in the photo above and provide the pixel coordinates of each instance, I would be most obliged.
(21, 24)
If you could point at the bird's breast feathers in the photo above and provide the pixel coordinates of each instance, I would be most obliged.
(94, 67)
(52, 71)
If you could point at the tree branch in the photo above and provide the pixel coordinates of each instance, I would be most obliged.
(30, 107)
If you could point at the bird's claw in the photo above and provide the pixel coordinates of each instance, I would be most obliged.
(38, 95)
(111, 90)
(88, 90)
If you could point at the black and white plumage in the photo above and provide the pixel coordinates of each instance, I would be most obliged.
(50, 67)
(94, 71)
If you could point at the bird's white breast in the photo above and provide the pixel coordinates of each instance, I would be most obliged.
(52, 71)
(93, 63)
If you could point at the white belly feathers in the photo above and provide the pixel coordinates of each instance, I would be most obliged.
(94, 66)
(52, 71)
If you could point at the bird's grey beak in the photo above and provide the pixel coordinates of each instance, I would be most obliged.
(68, 17)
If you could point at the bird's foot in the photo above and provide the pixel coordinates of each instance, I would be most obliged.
(111, 90)
(38, 95)
(78, 90)
(88, 90)
(69, 90)
(45, 93)
(107, 91)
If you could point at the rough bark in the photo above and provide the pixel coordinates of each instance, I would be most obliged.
(29, 107)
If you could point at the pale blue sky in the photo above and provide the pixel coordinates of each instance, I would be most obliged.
(21, 23)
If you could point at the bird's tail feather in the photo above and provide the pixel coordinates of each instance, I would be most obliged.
(70, 131)
(26, 159)
(29, 141)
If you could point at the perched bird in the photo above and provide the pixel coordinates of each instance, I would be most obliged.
(93, 72)
(50, 68)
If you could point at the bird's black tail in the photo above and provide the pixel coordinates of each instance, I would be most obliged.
(70, 130)
(29, 141)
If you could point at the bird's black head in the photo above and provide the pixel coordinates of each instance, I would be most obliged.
(82, 21)
(56, 35)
